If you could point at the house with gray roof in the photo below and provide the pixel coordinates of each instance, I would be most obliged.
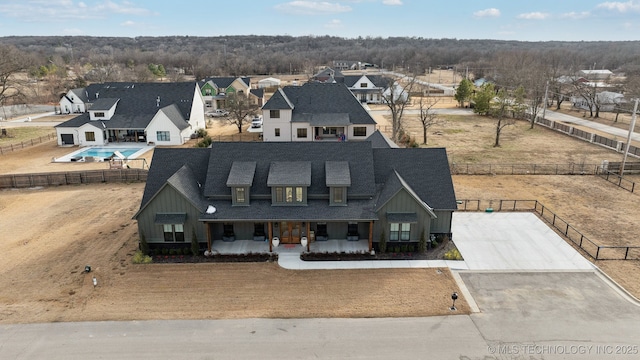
(316, 112)
(294, 192)
(158, 113)
(367, 88)
(215, 91)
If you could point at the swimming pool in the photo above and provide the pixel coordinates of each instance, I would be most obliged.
(100, 153)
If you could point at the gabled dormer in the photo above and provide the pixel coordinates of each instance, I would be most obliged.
(289, 182)
(103, 109)
(338, 180)
(240, 181)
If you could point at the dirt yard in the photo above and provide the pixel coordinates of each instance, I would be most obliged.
(49, 235)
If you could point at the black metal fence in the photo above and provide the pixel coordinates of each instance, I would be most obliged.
(72, 178)
(598, 252)
(616, 179)
(523, 169)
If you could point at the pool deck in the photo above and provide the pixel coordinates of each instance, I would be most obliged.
(74, 156)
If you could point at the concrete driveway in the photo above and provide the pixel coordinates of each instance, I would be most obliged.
(516, 241)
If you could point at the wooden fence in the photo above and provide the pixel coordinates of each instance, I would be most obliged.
(72, 178)
(598, 252)
(23, 144)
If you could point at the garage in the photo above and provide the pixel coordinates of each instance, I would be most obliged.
(67, 139)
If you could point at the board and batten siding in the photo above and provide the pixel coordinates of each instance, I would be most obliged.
(442, 225)
(403, 202)
(168, 200)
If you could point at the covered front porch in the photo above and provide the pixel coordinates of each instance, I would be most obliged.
(250, 246)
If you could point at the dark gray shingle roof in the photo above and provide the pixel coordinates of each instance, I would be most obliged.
(337, 173)
(241, 173)
(320, 98)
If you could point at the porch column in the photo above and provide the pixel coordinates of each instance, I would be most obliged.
(308, 234)
(208, 236)
(370, 236)
(270, 234)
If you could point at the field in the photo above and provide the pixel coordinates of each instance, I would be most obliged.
(49, 235)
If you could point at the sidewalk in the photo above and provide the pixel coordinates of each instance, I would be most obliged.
(555, 116)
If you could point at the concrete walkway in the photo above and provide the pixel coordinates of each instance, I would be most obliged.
(555, 116)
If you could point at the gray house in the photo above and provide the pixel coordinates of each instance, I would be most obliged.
(291, 191)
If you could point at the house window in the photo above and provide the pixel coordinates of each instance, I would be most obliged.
(400, 231)
(240, 195)
(163, 136)
(363, 85)
(302, 133)
(359, 131)
(289, 195)
(277, 132)
(173, 232)
(98, 114)
(274, 114)
(338, 195)
(207, 92)
(90, 136)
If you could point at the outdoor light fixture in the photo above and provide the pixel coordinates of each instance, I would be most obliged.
(454, 297)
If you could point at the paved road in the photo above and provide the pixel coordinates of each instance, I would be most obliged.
(555, 116)
(534, 315)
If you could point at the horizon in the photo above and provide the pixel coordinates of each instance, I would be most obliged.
(544, 21)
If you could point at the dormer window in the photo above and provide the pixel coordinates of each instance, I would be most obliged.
(240, 181)
(289, 182)
(98, 114)
(274, 114)
(338, 179)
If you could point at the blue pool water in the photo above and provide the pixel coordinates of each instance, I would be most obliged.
(104, 152)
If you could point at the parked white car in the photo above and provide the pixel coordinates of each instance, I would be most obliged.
(256, 122)
(218, 113)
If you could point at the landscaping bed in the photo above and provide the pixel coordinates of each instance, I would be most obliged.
(215, 258)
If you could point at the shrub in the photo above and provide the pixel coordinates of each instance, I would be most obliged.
(382, 244)
(144, 246)
(453, 254)
(422, 245)
(404, 248)
(140, 258)
(165, 251)
(201, 133)
(204, 142)
(195, 247)
(172, 251)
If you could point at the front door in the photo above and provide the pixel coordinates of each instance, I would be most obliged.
(290, 232)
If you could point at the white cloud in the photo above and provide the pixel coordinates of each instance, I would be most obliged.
(492, 12)
(303, 7)
(392, 2)
(36, 10)
(334, 24)
(533, 16)
(576, 15)
(129, 23)
(623, 7)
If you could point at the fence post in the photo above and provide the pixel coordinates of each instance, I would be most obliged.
(554, 220)
(566, 231)
(626, 253)
(597, 252)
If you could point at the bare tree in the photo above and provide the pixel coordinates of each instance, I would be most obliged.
(396, 97)
(428, 117)
(240, 108)
(589, 93)
(500, 109)
(12, 87)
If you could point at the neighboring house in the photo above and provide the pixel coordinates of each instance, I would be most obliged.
(594, 75)
(396, 92)
(268, 83)
(351, 65)
(606, 100)
(315, 112)
(367, 88)
(321, 191)
(216, 89)
(158, 113)
(74, 101)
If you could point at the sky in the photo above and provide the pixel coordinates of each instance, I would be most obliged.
(541, 20)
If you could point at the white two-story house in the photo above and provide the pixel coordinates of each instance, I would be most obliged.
(158, 113)
(316, 112)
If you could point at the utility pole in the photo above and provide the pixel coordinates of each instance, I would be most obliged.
(626, 151)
